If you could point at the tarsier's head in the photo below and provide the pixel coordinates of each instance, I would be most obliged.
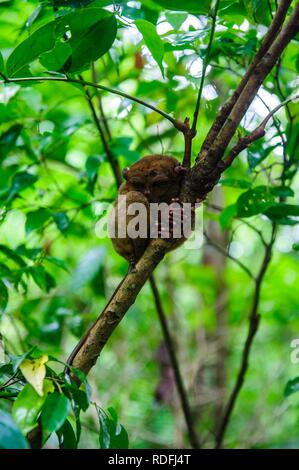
(158, 177)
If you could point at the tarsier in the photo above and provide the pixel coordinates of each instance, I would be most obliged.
(153, 179)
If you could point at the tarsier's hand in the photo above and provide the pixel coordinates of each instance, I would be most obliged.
(178, 222)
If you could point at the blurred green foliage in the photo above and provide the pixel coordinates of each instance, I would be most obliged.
(55, 182)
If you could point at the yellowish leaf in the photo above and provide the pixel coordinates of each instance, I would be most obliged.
(34, 371)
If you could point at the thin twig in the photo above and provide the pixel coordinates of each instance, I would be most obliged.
(111, 159)
(228, 255)
(254, 319)
(99, 98)
(175, 366)
(256, 134)
(94, 85)
(205, 65)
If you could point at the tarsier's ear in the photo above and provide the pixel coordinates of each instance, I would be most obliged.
(180, 170)
(125, 173)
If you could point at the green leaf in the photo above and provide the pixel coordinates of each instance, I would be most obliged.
(120, 146)
(227, 215)
(192, 6)
(58, 262)
(20, 182)
(282, 191)
(26, 408)
(291, 387)
(42, 278)
(257, 11)
(254, 201)
(295, 246)
(152, 41)
(17, 360)
(256, 154)
(235, 183)
(12, 255)
(10, 435)
(3, 296)
(1, 63)
(34, 15)
(30, 253)
(55, 59)
(54, 413)
(8, 139)
(280, 211)
(88, 267)
(40, 41)
(176, 19)
(67, 436)
(112, 434)
(36, 219)
(62, 221)
(92, 167)
(284, 209)
(92, 30)
(80, 395)
(292, 144)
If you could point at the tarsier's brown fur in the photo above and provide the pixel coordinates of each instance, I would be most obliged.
(153, 179)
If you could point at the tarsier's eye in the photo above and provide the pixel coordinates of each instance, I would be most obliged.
(137, 183)
(160, 182)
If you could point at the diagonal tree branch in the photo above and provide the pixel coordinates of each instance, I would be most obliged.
(259, 132)
(249, 91)
(266, 43)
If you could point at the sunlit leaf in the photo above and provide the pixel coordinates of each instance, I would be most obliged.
(152, 41)
(34, 371)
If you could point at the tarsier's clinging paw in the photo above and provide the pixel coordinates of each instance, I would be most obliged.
(153, 180)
